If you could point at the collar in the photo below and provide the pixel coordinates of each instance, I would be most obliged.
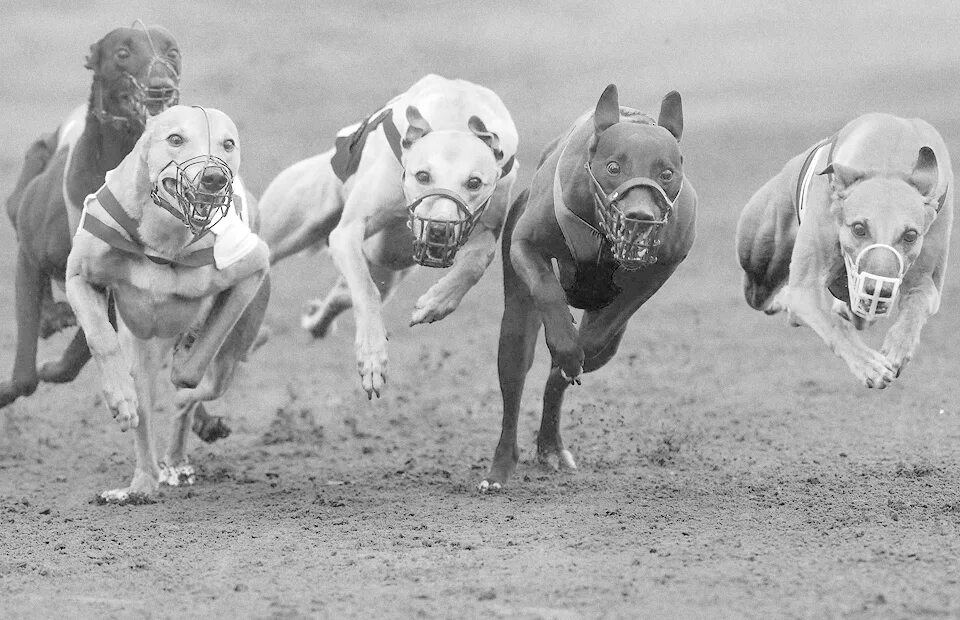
(583, 239)
(132, 243)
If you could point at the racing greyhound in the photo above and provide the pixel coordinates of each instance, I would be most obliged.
(610, 207)
(424, 180)
(852, 226)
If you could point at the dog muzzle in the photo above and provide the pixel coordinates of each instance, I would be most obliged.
(199, 193)
(633, 242)
(436, 241)
(872, 296)
(161, 89)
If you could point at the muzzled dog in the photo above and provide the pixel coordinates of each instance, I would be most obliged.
(425, 180)
(856, 225)
(610, 205)
(192, 278)
(136, 71)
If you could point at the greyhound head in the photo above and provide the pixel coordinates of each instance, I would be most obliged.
(449, 177)
(882, 219)
(136, 72)
(637, 173)
(186, 161)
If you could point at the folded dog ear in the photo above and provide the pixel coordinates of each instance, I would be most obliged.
(843, 176)
(607, 113)
(418, 127)
(925, 172)
(671, 114)
(490, 138)
(93, 59)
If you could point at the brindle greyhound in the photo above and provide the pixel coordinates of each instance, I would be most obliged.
(610, 205)
(136, 72)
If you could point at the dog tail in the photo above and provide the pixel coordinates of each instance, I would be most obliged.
(35, 161)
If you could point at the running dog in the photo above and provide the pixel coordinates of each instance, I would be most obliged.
(166, 240)
(425, 180)
(853, 225)
(609, 205)
(136, 72)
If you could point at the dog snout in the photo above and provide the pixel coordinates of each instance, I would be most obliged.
(213, 179)
(438, 209)
(881, 261)
(640, 205)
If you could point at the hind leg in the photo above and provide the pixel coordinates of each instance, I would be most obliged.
(30, 281)
(321, 314)
(765, 237)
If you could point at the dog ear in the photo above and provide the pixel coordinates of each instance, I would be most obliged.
(925, 172)
(671, 114)
(93, 59)
(418, 127)
(608, 109)
(843, 176)
(490, 138)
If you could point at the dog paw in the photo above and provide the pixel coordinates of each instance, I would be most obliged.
(56, 317)
(209, 428)
(871, 368)
(434, 305)
(555, 460)
(140, 491)
(320, 316)
(123, 407)
(487, 486)
(372, 363)
(177, 475)
(185, 372)
(898, 351)
(15, 388)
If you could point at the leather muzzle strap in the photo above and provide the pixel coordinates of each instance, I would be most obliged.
(133, 245)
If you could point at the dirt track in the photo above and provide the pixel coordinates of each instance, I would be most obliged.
(730, 466)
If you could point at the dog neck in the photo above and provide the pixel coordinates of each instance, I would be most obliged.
(161, 234)
(99, 148)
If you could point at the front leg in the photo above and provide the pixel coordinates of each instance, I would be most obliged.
(468, 267)
(534, 270)
(916, 306)
(195, 351)
(811, 305)
(346, 248)
(90, 307)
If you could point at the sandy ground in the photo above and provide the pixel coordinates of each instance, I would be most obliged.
(729, 464)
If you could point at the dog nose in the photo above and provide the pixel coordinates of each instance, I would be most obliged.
(213, 179)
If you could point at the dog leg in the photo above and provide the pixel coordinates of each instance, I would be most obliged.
(468, 267)
(320, 316)
(66, 369)
(147, 357)
(371, 340)
(119, 391)
(29, 286)
(55, 316)
(519, 330)
(813, 307)
(916, 306)
(191, 359)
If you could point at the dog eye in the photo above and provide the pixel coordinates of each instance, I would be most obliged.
(229, 145)
(910, 236)
(859, 229)
(423, 177)
(666, 176)
(123, 53)
(173, 54)
(175, 139)
(613, 168)
(474, 183)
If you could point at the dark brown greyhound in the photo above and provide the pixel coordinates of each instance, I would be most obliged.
(136, 73)
(608, 204)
